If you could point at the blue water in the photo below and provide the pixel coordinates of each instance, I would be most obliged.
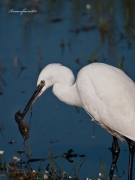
(36, 42)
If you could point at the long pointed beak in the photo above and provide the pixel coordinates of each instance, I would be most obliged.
(19, 117)
(34, 97)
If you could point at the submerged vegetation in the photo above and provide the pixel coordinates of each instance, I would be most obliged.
(22, 170)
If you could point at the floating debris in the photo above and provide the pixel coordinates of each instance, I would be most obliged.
(12, 142)
(70, 155)
(20, 151)
(56, 20)
(36, 159)
(53, 141)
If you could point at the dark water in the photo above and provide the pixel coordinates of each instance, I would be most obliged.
(61, 32)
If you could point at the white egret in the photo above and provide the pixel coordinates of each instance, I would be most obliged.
(106, 93)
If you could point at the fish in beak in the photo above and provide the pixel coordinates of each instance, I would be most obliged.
(19, 117)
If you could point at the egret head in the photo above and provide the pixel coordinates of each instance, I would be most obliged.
(46, 78)
(54, 73)
(51, 74)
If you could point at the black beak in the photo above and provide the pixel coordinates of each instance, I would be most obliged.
(19, 117)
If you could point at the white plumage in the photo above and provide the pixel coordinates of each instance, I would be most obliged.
(106, 93)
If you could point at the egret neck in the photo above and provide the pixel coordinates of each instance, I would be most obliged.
(67, 94)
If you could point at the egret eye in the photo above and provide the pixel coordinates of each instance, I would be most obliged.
(42, 82)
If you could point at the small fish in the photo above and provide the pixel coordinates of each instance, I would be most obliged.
(23, 127)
